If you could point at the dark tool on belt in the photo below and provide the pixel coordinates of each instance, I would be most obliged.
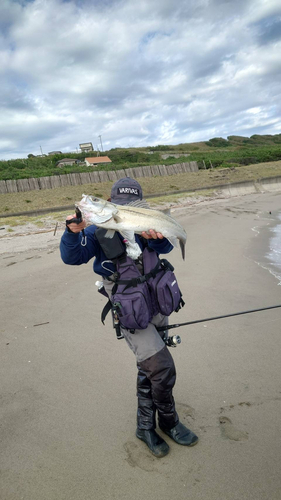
(77, 220)
(116, 324)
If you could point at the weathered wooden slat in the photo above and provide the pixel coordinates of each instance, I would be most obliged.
(64, 180)
(155, 170)
(3, 187)
(103, 176)
(120, 173)
(163, 170)
(178, 169)
(22, 185)
(147, 171)
(77, 179)
(74, 179)
(170, 170)
(55, 181)
(137, 172)
(45, 182)
(112, 175)
(12, 186)
(94, 176)
(194, 166)
(181, 168)
(33, 183)
(85, 178)
(129, 173)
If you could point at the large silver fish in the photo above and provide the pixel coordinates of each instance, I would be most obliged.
(131, 219)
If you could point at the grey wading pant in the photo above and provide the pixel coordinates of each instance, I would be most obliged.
(156, 373)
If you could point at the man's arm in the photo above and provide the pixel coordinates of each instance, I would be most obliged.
(72, 252)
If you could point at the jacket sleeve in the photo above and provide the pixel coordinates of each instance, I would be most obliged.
(71, 250)
(160, 246)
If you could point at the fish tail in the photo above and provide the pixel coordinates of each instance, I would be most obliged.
(182, 246)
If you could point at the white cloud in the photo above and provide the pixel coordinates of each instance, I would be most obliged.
(137, 73)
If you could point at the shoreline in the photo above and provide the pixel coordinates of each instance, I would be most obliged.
(262, 247)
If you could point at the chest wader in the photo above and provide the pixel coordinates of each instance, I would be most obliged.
(156, 374)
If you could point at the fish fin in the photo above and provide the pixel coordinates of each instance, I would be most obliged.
(128, 235)
(182, 245)
(109, 233)
(138, 204)
(172, 240)
(117, 218)
(166, 211)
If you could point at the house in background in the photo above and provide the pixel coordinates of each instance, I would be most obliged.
(66, 161)
(86, 147)
(54, 153)
(98, 160)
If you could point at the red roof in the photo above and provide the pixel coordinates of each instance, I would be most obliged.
(98, 159)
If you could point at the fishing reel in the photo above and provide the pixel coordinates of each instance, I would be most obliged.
(172, 341)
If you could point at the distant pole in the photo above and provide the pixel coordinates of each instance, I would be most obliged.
(101, 143)
(211, 164)
(204, 164)
(41, 151)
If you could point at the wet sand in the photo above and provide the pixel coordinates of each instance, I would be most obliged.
(67, 400)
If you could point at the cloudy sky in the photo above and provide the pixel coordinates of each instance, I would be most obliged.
(137, 73)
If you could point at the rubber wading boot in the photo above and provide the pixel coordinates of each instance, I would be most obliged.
(155, 443)
(181, 435)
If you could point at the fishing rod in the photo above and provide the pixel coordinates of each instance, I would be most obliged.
(169, 327)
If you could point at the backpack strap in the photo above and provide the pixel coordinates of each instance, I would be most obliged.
(140, 279)
(105, 311)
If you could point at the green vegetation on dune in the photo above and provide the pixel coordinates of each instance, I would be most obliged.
(217, 152)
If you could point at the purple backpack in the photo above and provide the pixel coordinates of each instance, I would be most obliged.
(138, 297)
(164, 289)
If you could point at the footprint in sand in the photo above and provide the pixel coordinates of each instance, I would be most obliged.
(138, 456)
(186, 410)
(230, 432)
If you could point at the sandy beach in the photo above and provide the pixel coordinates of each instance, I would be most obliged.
(67, 399)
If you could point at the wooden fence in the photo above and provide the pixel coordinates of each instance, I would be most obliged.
(55, 181)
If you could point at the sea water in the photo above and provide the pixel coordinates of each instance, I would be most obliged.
(273, 256)
(265, 249)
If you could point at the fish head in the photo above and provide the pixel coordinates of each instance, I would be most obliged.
(96, 210)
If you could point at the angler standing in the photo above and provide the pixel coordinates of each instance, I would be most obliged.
(156, 370)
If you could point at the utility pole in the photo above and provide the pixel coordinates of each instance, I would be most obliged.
(100, 142)
(41, 151)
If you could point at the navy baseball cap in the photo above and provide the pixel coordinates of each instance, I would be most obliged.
(125, 191)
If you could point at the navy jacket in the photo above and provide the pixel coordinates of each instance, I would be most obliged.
(73, 253)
